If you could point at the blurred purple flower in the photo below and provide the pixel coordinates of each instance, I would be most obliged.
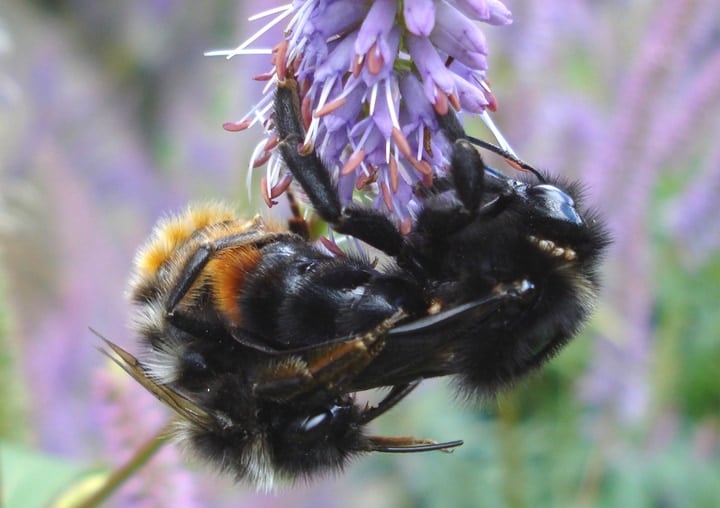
(652, 125)
(128, 417)
(693, 216)
(372, 77)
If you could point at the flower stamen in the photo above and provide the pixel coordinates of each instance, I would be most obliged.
(429, 56)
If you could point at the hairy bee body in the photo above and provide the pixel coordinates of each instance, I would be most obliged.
(270, 288)
(240, 334)
(258, 339)
(506, 268)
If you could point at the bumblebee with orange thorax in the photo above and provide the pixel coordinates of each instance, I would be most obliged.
(259, 384)
(258, 339)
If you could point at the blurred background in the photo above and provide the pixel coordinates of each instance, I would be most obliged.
(110, 115)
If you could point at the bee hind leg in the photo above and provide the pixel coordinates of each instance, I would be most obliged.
(402, 444)
(399, 444)
(394, 396)
(297, 223)
(329, 366)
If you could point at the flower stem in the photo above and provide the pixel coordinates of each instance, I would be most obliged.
(120, 475)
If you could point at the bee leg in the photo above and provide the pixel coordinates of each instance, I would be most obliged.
(329, 366)
(394, 396)
(399, 444)
(368, 225)
(402, 444)
(468, 172)
(454, 131)
(297, 224)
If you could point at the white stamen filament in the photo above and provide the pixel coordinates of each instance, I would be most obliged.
(296, 47)
(487, 120)
(301, 15)
(277, 19)
(261, 114)
(364, 168)
(271, 83)
(270, 12)
(373, 98)
(273, 175)
(259, 148)
(232, 52)
(402, 170)
(419, 143)
(322, 100)
(365, 136)
(390, 103)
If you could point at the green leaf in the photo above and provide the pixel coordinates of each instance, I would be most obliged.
(31, 479)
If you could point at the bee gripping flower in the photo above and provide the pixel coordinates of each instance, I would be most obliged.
(373, 75)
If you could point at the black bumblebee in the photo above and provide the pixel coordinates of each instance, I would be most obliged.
(495, 276)
(259, 340)
(211, 290)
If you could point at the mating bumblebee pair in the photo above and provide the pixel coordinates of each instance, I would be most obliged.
(259, 340)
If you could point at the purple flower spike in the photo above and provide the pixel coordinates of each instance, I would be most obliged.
(419, 17)
(377, 25)
(456, 34)
(372, 78)
(489, 11)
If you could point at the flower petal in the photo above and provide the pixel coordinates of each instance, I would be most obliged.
(419, 16)
(378, 22)
(493, 12)
(455, 33)
(432, 69)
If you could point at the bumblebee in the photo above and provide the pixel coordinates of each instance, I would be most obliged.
(259, 340)
(231, 343)
(495, 276)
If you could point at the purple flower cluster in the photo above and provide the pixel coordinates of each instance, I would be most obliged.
(372, 76)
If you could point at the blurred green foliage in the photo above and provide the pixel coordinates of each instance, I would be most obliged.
(11, 386)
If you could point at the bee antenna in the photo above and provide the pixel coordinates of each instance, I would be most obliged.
(511, 158)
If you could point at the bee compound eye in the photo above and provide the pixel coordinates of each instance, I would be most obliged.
(554, 203)
(311, 423)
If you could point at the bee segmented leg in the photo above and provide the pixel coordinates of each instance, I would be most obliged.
(297, 223)
(399, 444)
(453, 129)
(408, 444)
(396, 394)
(328, 366)
(368, 225)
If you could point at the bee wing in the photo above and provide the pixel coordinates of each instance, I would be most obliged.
(479, 309)
(243, 337)
(425, 347)
(183, 406)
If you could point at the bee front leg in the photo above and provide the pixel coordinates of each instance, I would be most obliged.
(368, 225)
